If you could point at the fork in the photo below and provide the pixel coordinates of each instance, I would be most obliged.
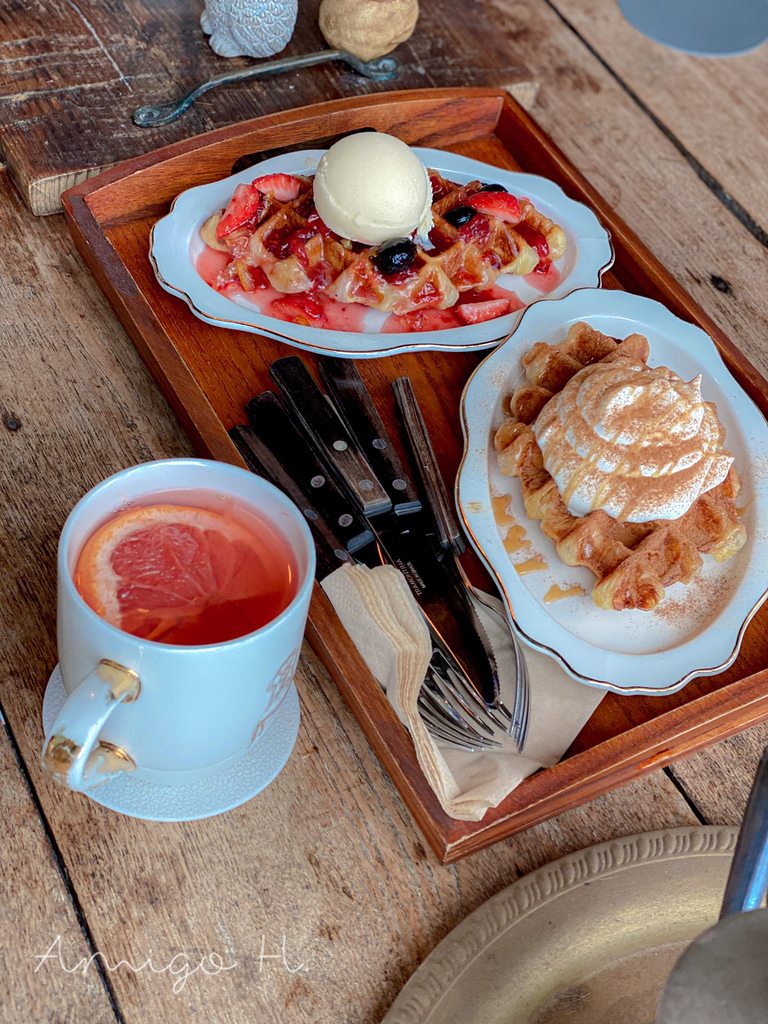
(451, 540)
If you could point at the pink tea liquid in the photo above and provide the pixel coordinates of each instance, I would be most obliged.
(188, 567)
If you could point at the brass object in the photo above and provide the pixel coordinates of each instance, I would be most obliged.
(165, 113)
(108, 758)
(588, 939)
(368, 28)
(123, 682)
(58, 756)
(105, 759)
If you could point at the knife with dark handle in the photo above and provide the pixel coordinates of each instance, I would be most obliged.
(355, 405)
(331, 552)
(272, 423)
(325, 429)
(407, 541)
(449, 531)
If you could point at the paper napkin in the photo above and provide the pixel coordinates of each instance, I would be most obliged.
(378, 611)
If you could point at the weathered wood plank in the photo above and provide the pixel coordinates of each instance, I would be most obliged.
(641, 173)
(716, 108)
(71, 76)
(719, 779)
(36, 909)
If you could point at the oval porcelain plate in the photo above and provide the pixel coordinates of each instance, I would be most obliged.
(176, 244)
(697, 629)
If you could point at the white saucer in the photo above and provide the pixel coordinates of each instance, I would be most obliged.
(234, 785)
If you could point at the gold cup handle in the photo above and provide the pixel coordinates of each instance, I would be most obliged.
(73, 753)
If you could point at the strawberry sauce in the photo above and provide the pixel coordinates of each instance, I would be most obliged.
(317, 310)
(440, 319)
(210, 263)
(545, 277)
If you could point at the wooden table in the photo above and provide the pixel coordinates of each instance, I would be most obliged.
(327, 856)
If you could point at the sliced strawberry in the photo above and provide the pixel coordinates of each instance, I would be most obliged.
(479, 312)
(283, 187)
(535, 239)
(299, 309)
(497, 204)
(420, 320)
(244, 206)
(476, 230)
(251, 278)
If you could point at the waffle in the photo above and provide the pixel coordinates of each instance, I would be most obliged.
(633, 562)
(288, 244)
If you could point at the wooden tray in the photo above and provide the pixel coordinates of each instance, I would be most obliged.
(209, 374)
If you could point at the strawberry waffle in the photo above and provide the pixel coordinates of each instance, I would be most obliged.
(275, 239)
(595, 431)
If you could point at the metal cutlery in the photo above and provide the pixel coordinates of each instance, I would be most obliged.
(379, 70)
(402, 533)
(452, 542)
(481, 711)
(275, 446)
(299, 478)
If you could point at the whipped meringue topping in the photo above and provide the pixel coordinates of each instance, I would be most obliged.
(637, 441)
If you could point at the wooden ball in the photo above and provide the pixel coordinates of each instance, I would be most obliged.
(367, 28)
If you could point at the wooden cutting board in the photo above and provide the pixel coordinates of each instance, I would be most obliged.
(73, 71)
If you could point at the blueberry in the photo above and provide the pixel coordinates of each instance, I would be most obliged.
(395, 255)
(460, 215)
(493, 188)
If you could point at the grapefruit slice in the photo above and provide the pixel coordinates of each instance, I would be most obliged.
(185, 575)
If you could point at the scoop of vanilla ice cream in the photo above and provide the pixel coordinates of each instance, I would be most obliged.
(371, 187)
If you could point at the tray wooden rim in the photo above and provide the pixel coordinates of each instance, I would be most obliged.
(610, 763)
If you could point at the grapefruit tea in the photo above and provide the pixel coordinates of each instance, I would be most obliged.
(187, 567)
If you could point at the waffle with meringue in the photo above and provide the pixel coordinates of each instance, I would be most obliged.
(623, 464)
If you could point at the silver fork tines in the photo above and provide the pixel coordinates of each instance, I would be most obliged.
(455, 714)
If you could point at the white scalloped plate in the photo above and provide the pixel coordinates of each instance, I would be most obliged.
(697, 629)
(175, 245)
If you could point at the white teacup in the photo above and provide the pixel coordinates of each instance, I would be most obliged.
(172, 714)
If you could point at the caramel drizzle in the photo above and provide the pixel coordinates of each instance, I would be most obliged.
(555, 593)
(514, 541)
(515, 538)
(500, 507)
(531, 565)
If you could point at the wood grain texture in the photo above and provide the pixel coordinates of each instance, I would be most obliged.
(72, 74)
(348, 863)
(35, 909)
(719, 114)
(641, 173)
(719, 779)
(208, 378)
(328, 855)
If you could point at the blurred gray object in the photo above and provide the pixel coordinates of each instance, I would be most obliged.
(722, 978)
(705, 28)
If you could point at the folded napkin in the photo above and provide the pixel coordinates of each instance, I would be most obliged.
(378, 611)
